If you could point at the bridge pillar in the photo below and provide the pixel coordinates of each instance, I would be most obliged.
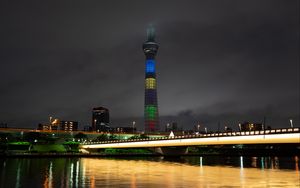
(170, 151)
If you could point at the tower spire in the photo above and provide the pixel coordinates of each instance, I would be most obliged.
(150, 33)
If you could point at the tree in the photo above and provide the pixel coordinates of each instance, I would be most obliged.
(141, 136)
(5, 137)
(112, 137)
(101, 137)
(34, 137)
(134, 137)
(80, 136)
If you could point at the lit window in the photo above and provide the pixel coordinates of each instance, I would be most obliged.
(150, 83)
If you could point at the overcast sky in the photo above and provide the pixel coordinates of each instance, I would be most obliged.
(218, 61)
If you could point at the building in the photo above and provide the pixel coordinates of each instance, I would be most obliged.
(171, 127)
(43, 127)
(56, 124)
(100, 119)
(53, 125)
(125, 129)
(3, 125)
(68, 125)
(87, 128)
(246, 126)
(151, 118)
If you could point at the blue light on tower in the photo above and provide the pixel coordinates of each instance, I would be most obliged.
(150, 66)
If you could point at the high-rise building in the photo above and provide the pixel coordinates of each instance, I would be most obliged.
(3, 125)
(100, 119)
(246, 126)
(150, 48)
(68, 125)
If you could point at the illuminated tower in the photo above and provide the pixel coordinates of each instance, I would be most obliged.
(150, 48)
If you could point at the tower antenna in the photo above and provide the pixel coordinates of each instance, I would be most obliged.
(150, 33)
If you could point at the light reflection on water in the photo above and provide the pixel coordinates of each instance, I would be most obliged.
(151, 172)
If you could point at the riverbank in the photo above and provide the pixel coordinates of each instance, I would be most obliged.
(47, 155)
(58, 150)
(118, 155)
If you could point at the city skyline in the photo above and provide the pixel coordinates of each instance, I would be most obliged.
(218, 62)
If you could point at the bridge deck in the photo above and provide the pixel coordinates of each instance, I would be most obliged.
(276, 136)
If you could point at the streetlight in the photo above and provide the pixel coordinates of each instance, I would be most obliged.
(225, 128)
(50, 123)
(198, 126)
(95, 122)
(205, 130)
(240, 127)
(133, 124)
(291, 121)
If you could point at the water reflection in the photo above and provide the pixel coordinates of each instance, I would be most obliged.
(241, 162)
(18, 176)
(154, 172)
(262, 162)
(201, 162)
(265, 162)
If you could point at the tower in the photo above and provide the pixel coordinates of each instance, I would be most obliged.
(100, 119)
(150, 48)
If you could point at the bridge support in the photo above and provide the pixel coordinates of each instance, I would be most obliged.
(170, 151)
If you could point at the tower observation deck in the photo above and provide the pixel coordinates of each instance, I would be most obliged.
(150, 48)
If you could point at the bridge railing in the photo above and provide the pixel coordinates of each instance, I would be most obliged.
(216, 134)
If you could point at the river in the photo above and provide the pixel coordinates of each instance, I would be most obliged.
(155, 172)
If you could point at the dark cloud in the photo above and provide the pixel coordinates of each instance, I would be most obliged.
(218, 61)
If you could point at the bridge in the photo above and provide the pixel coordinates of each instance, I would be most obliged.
(274, 136)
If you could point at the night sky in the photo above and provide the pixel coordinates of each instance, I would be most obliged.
(218, 61)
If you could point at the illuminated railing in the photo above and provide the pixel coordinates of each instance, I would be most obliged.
(224, 134)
